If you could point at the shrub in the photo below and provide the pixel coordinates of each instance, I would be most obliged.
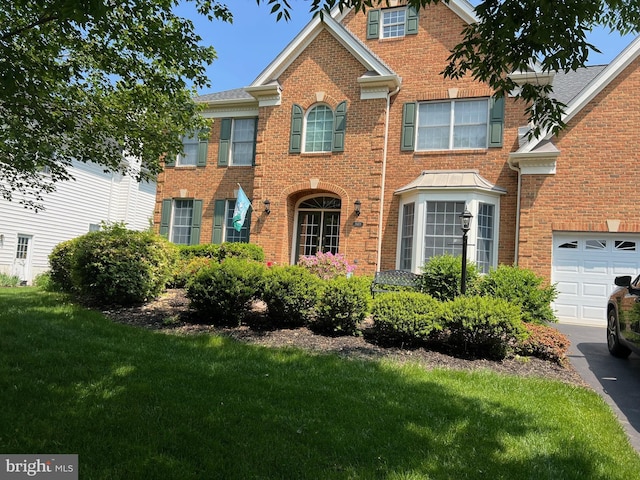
(205, 250)
(326, 265)
(120, 266)
(43, 281)
(344, 303)
(521, 287)
(544, 342)
(291, 294)
(61, 263)
(248, 251)
(482, 326)
(441, 277)
(7, 280)
(405, 318)
(186, 268)
(222, 292)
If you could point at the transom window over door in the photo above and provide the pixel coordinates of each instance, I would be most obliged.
(318, 227)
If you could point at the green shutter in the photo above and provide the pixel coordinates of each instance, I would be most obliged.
(203, 145)
(165, 217)
(218, 221)
(408, 126)
(225, 142)
(295, 142)
(496, 121)
(339, 127)
(196, 222)
(373, 24)
(255, 140)
(411, 26)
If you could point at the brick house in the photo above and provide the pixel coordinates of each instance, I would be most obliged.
(351, 141)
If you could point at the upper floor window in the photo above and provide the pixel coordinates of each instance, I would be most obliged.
(190, 151)
(392, 22)
(318, 134)
(194, 150)
(320, 130)
(237, 141)
(453, 124)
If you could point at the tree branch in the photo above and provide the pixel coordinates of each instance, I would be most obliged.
(37, 23)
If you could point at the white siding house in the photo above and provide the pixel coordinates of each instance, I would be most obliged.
(76, 207)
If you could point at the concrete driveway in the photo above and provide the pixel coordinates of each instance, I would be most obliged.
(616, 380)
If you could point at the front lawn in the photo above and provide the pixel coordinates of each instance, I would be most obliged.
(135, 404)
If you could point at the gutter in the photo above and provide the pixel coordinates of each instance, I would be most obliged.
(384, 177)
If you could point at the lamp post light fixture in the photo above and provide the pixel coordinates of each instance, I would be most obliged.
(356, 205)
(465, 224)
(267, 206)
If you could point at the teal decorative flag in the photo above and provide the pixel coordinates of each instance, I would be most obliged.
(242, 205)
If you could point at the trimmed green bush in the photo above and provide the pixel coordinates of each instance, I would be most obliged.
(222, 292)
(291, 294)
(409, 318)
(61, 263)
(221, 251)
(441, 277)
(521, 287)
(120, 266)
(482, 326)
(186, 268)
(344, 303)
(205, 250)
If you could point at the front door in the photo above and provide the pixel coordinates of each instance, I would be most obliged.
(318, 227)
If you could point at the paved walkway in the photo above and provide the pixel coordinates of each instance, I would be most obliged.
(616, 380)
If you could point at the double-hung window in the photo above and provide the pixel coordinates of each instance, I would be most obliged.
(180, 220)
(393, 22)
(230, 233)
(453, 124)
(189, 157)
(237, 141)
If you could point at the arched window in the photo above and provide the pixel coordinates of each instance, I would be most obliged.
(318, 129)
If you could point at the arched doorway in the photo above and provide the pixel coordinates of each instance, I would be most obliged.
(318, 226)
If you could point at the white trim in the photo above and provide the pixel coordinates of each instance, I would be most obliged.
(471, 198)
(248, 111)
(599, 83)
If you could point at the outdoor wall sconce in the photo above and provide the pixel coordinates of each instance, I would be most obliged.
(356, 206)
(465, 225)
(267, 206)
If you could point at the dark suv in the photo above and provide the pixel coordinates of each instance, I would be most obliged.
(623, 317)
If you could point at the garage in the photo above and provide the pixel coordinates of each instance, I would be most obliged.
(583, 268)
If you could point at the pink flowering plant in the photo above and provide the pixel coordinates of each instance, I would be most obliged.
(327, 265)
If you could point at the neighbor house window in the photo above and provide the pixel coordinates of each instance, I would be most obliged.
(453, 124)
(393, 22)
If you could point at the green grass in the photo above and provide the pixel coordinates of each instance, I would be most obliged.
(135, 404)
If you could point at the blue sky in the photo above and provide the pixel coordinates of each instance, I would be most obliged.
(247, 46)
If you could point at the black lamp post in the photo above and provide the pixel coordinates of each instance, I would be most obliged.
(465, 224)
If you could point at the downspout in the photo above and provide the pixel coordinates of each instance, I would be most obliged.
(517, 236)
(384, 177)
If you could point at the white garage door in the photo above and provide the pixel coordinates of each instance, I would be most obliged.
(584, 266)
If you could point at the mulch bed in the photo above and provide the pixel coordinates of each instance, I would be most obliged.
(170, 314)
